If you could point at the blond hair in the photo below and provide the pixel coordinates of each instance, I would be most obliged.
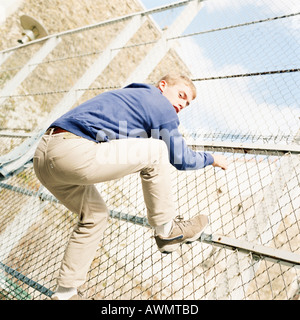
(175, 78)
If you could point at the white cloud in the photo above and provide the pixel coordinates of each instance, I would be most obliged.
(278, 7)
(229, 106)
(215, 5)
(199, 64)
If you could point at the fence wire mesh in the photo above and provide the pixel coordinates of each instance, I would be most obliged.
(244, 60)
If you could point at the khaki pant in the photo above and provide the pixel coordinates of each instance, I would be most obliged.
(69, 167)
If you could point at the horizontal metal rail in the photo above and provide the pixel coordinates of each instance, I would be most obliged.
(243, 147)
(291, 15)
(11, 134)
(251, 74)
(9, 289)
(31, 283)
(247, 147)
(257, 251)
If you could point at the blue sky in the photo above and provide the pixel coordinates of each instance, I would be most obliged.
(261, 106)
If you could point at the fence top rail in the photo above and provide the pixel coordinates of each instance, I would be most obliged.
(247, 147)
(103, 23)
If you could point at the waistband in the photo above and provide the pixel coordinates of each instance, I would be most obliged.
(65, 134)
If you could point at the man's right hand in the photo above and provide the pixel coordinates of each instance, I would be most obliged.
(220, 161)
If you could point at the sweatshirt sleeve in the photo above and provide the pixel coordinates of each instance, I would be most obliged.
(181, 156)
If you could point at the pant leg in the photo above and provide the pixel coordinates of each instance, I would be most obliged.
(87, 203)
(150, 158)
(85, 237)
(70, 168)
(90, 163)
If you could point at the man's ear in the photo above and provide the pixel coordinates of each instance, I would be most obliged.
(162, 85)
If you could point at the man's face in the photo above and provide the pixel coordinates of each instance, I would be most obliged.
(180, 95)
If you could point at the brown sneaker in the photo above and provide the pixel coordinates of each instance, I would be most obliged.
(183, 231)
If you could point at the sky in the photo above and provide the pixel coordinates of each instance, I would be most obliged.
(262, 106)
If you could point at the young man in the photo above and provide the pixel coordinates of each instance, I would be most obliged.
(134, 129)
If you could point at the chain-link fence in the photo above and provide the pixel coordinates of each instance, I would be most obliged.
(244, 60)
